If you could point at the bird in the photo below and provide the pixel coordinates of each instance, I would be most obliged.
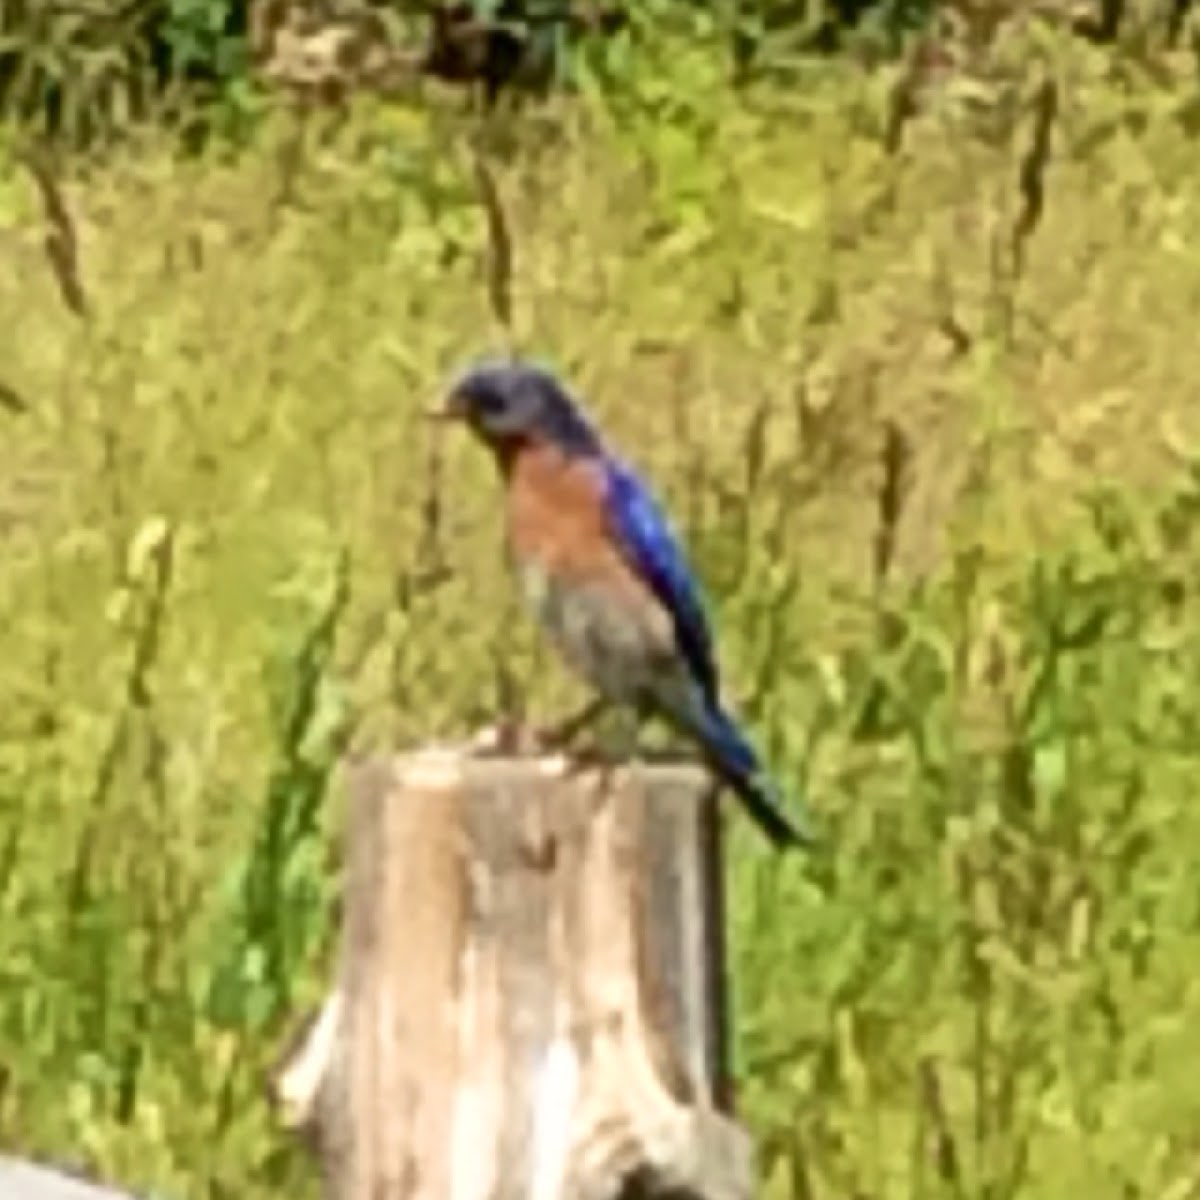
(605, 574)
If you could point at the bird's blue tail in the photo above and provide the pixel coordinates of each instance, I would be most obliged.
(735, 760)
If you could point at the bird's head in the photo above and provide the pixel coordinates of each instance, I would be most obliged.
(510, 404)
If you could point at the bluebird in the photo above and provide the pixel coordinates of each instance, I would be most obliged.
(603, 572)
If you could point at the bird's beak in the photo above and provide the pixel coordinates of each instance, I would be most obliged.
(452, 408)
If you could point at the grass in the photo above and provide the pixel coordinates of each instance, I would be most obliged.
(231, 550)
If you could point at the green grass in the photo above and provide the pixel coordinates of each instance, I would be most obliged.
(222, 565)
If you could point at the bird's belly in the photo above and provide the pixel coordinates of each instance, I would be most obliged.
(605, 643)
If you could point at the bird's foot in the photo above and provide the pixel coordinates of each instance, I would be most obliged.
(590, 757)
(511, 736)
(559, 736)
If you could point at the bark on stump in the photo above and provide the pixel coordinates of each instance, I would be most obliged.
(530, 1001)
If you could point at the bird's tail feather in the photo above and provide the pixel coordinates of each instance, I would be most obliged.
(737, 763)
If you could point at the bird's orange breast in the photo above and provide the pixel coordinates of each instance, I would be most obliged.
(557, 518)
(577, 580)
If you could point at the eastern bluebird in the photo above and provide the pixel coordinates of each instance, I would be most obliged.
(603, 572)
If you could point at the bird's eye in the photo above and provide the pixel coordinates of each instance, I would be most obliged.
(491, 404)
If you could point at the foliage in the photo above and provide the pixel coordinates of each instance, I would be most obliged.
(232, 550)
(85, 74)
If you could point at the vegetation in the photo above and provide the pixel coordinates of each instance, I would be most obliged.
(920, 390)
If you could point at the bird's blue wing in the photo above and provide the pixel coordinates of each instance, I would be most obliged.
(649, 544)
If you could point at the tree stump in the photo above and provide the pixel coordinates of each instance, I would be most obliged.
(530, 997)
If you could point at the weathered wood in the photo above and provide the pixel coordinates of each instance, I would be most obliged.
(530, 999)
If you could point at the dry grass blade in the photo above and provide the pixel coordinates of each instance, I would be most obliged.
(943, 1148)
(902, 104)
(157, 544)
(1032, 178)
(11, 399)
(893, 490)
(433, 566)
(947, 320)
(1177, 19)
(500, 249)
(61, 243)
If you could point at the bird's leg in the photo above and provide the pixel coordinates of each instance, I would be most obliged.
(559, 737)
(607, 753)
(510, 735)
(645, 712)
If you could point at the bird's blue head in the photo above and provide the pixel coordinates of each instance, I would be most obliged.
(511, 403)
